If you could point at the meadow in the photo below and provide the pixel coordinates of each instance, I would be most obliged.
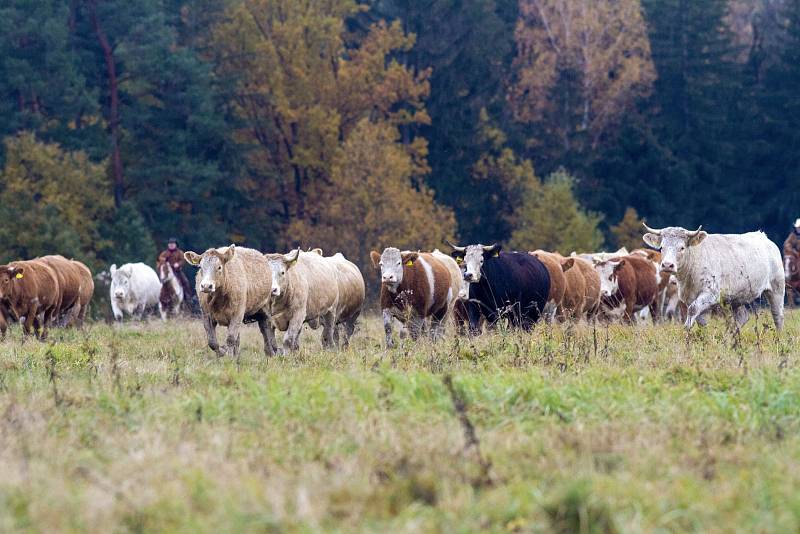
(139, 428)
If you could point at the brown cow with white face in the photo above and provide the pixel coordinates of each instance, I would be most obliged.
(627, 285)
(30, 290)
(415, 286)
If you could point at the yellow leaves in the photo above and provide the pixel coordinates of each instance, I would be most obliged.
(307, 94)
(52, 179)
(371, 201)
(604, 43)
(628, 232)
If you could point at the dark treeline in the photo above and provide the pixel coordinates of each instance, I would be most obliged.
(356, 125)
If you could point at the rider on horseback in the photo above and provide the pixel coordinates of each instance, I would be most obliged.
(174, 256)
(791, 254)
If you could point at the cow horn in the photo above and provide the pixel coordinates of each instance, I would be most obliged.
(455, 247)
(693, 234)
(489, 248)
(651, 230)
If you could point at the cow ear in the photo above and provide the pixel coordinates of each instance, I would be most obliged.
(316, 251)
(409, 258)
(619, 265)
(457, 254)
(16, 271)
(653, 240)
(113, 268)
(567, 263)
(192, 258)
(376, 258)
(494, 250)
(696, 240)
(228, 256)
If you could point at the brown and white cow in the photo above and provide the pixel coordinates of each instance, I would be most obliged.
(415, 286)
(628, 284)
(234, 286)
(30, 290)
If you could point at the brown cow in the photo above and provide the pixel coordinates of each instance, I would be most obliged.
(30, 289)
(627, 285)
(414, 287)
(558, 282)
(86, 292)
(575, 290)
(76, 284)
(591, 301)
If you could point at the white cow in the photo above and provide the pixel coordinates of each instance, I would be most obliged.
(134, 288)
(728, 269)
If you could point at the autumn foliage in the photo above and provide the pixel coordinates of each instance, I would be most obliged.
(313, 102)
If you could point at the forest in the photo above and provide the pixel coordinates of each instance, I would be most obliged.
(354, 125)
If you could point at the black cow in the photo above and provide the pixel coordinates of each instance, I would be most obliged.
(503, 284)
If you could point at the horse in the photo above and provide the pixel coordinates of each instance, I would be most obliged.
(791, 266)
(171, 296)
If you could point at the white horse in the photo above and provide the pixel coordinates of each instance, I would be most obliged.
(171, 296)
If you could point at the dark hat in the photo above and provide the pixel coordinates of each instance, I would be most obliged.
(173, 240)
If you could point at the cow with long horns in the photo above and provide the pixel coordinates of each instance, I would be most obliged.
(503, 284)
(728, 269)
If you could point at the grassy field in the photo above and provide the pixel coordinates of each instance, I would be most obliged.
(626, 429)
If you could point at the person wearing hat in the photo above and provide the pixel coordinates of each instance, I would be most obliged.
(174, 256)
(791, 247)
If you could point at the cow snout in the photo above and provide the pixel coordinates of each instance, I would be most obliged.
(207, 287)
(667, 267)
(118, 294)
(276, 291)
(469, 277)
(389, 279)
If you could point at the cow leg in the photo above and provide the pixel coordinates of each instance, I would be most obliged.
(210, 326)
(701, 304)
(349, 327)
(387, 328)
(775, 298)
(740, 315)
(291, 340)
(116, 311)
(328, 331)
(415, 327)
(232, 339)
(654, 312)
(162, 311)
(268, 333)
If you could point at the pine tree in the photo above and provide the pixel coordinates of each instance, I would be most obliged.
(551, 219)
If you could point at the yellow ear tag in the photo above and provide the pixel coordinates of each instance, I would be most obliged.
(459, 260)
(410, 263)
(19, 275)
(496, 254)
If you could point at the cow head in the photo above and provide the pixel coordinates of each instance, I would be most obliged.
(472, 257)
(212, 267)
(279, 265)
(120, 282)
(9, 277)
(392, 263)
(673, 243)
(608, 272)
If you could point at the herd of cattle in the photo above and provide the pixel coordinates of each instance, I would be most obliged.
(683, 276)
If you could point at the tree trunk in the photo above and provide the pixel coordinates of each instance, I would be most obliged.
(113, 112)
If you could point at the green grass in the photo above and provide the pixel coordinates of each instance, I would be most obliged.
(139, 428)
